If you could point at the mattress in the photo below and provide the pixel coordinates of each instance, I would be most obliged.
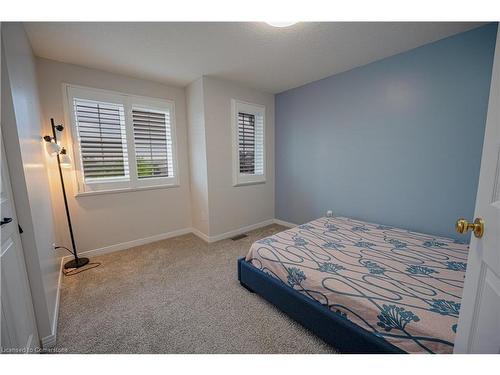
(400, 285)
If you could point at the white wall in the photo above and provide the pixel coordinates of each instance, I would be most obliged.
(22, 130)
(230, 207)
(205, 200)
(114, 218)
(32, 94)
(197, 156)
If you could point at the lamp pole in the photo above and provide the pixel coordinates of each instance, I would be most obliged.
(77, 262)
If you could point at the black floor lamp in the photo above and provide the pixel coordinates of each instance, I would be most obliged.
(63, 159)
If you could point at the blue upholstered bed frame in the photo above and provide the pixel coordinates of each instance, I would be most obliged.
(337, 331)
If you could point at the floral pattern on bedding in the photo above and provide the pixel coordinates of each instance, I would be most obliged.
(400, 285)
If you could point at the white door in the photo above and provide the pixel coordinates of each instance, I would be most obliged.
(18, 327)
(479, 321)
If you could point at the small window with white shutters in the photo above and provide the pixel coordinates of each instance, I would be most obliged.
(102, 139)
(248, 143)
(121, 141)
(153, 143)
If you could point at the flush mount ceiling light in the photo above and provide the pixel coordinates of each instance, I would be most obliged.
(281, 24)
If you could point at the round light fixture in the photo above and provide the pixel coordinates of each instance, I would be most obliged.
(281, 24)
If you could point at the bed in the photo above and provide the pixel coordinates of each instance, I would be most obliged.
(362, 287)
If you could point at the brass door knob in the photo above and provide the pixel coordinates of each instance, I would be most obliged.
(462, 226)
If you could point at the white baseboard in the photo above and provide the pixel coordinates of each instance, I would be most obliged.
(133, 243)
(231, 233)
(242, 230)
(179, 232)
(50, 340)
(200, 234)
(284, 223)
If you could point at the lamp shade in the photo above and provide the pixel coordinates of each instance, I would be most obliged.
(53, 148)
(65, 159)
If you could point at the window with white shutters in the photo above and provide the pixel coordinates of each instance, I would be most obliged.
(246, 135)
(153, 143)
(102, 139)
(121, 141)
(248, 143)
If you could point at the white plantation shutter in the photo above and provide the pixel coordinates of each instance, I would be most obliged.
(259, 144)
(102, 139)
(153, 143)
(121, 141)
(251, 143)
(246, 142)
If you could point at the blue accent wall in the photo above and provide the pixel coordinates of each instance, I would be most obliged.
(396, 142)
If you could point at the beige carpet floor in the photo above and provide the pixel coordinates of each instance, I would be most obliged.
(179, 295)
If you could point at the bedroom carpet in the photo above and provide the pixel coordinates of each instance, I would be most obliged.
(179, 295)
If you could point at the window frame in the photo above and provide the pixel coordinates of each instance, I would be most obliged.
(237, 106)
(70, 92)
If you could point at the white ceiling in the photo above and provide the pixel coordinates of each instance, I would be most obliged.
(254, 54)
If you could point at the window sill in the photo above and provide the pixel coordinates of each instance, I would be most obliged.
(249, 183)
(123, 190)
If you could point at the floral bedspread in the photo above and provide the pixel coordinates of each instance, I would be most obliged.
(400, 285)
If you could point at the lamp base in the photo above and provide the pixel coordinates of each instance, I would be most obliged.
(76, 263)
